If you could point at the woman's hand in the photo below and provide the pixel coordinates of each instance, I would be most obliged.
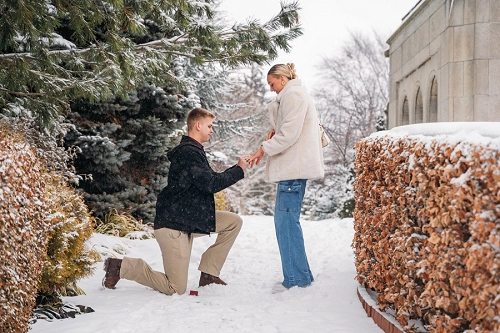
(256, 157)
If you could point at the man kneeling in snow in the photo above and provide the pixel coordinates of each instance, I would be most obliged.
(185, 209)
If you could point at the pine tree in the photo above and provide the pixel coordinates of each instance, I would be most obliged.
(123, 141)
(122, 148)
(116, 70)
(54, 52)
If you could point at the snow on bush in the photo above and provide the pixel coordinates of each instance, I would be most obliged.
(427, 222)
(67, 258)
(23, 231)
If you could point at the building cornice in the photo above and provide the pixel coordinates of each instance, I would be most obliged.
(419, 7)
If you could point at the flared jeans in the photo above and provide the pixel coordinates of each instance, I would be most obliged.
(296, 271)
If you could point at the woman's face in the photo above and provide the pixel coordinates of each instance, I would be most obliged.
(275, 83)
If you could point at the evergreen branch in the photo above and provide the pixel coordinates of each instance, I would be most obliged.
(178, 38)
(243, 57)
(165, 42)
(111, 48)
(59, 84)
(72, 73)
(18, 93)
(164, 51)
(29, 55)
(246, 29)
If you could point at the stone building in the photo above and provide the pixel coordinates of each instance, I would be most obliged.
(445, 63)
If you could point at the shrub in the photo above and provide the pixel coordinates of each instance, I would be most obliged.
(23, 230)
(43, 228)
(67, 259)
(427, 233)
(123, 225)
(220, 201)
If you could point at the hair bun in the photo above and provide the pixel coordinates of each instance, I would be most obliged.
(287, 70)
(291, 68)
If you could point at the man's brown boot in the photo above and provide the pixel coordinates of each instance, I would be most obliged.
(206, 279)
(112, 268)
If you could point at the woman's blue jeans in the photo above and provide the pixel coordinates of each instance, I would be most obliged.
(294, 262)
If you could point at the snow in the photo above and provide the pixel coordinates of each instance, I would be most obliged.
(220, 155)
(461, 180)
(479, 133)
(330, 304)
(246, 304)
(489, 129)
(60, 42)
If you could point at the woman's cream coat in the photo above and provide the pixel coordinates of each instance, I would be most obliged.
(295, 151)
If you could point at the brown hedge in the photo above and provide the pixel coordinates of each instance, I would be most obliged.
(23, 232)
(427, 230)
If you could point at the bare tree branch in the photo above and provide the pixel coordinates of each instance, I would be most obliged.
(354, 93)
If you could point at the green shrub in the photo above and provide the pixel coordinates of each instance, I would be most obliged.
(67, 259)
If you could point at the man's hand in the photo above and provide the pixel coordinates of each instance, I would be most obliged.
(243, 161)
(257, 156)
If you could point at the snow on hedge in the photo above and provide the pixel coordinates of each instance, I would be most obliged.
(427, 223)
(23, 232)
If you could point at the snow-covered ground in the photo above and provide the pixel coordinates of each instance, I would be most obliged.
(246, 304)
(253, 266)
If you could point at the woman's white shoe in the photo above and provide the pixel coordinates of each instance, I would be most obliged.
(279, 288)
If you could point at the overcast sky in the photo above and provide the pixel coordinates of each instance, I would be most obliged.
(326, 25)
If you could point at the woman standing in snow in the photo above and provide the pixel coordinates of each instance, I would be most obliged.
(295, 155)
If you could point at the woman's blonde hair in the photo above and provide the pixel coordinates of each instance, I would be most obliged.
(287, 71)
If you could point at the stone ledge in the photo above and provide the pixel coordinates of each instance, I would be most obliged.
(385, 321)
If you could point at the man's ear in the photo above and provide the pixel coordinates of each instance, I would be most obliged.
(197, 125)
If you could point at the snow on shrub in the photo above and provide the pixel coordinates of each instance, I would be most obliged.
(23, 231)
(67, 257)
(427, 222)
(44, 225)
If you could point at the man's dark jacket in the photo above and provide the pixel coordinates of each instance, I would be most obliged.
(187, 202)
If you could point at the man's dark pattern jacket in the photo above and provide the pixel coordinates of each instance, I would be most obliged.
(187, 202)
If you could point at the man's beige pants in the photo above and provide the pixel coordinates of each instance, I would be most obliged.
(175, 249)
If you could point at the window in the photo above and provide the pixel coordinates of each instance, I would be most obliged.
(419, 108)
(406, 113)
(433, 106)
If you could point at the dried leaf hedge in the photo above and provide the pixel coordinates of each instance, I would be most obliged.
(23, 232)
(427, 230)
(44, 226)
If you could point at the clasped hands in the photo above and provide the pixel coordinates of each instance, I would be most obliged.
(246, 160)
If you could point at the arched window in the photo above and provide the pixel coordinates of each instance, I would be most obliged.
(433, 106)
(419, 108)
(405, 120)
